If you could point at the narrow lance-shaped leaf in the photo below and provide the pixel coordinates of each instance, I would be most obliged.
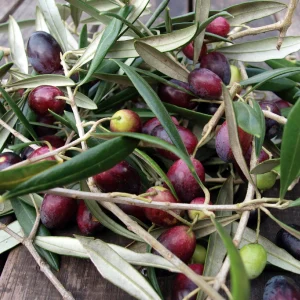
(240, 286)
(82, 166)
(115, 269)
(157, 12)
(261, 119)
(155, 105)
(5, 68)
(6, 240)
(40, 23)
(9, 118)
(55, 24)
(261, 50)
(161, 62)
(12, 177)
(108, 38)
(26, 216)
(253, 10)
(233, 135)
(201, 14)
(290, 149)
(18, 113)
(17, 45)
(247, 118)
(266, 166)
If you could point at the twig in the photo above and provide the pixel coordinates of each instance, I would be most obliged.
(18, 135)
(5, 50)
(277, 118)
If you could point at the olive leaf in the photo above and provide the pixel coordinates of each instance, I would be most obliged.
(262, 124)
(22, 24)
(266, 166)
(6, 240)
(290, 149)
(283, 63)
(40, 23)
(159, 9)
(249, 11)
(16, 44)
(261, 50)
(161, 62)
(201, 14)
(10, 119)
(49, 79)
(233, 135)
(5, 208)
(82, 166)
(5, 68)
(115, 269)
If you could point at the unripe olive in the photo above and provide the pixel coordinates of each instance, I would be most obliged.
(266, 181)
(199, 254)
(254, 257)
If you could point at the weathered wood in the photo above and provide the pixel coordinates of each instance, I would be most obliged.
(7, 8)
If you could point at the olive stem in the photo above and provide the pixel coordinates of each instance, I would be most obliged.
(18, 135)
(275, 117)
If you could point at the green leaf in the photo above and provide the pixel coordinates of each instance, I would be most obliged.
(104, 5)
(201, 15)
(163, 43)
(12, 177)
(18, 113)
(40, 23)
(76, 15)
(233, 135)
(155, 105)
(197, 117)
(26, 216)
(5, 68)
(247, 118)
(115, 269)
(152, 163)
(72, 247)
(273, 85)
(28, 199)
(6, 240)
(161, 62)
(54, 21)
(295, 203)
(5, 209)
(83, 101)
(82, 166)
(240, 286)
(108, 38)
(10, 119)
(261, 50)
(276, 256)
(124, 21)
(268, 75)
(160, 8)
(290, 149)
(16, 44)
(283, 63)
(253, 10)
(262, 123)
(266, 166)
(49, 79)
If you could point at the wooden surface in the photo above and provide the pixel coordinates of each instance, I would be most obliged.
(21, 278)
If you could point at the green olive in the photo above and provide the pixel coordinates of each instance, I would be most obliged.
(235, 75)
(199, 255)
(254, 257)
(266, 181)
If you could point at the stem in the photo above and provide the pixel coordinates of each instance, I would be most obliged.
(277, 118)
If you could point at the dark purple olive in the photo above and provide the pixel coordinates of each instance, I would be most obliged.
(86, 223)
(184, 182)
(219, 26)
(120, 178)
(152, 123)
(205, 83)
(43, 130)
(272, 126)
(282, 104)
(180, 240)
(223, 147)
(207, 108)
(176, 97)
(58, 211)
(42, 98)
(44, 53)
(217, 63)
(289, 242)
(8, 159)
(281, 288)
(183, 286)
(188, 51)
(188, 138)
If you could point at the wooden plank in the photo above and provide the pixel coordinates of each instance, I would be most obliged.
(7, 8)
